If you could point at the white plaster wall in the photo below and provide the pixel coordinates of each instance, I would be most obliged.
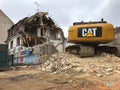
(39, 32)
(14, 39)
(59, 45)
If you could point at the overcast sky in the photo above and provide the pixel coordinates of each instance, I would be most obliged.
(64, 12)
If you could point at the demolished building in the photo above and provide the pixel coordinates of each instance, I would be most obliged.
(33, 39)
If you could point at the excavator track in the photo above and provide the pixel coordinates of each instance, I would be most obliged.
(114, 49)
(82, 51)
(88, 51)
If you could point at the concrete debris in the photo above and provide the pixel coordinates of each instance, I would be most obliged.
(109, 70)
(79, 69)
(117, 71)
(118, 67)
(61, 62)
(99, 75)
(58, 62)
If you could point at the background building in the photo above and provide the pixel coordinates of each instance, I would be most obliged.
(5, 24)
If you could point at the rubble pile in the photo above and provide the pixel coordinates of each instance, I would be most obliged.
(64, 70)
(100, 66)
(106, 64)
(58, 62)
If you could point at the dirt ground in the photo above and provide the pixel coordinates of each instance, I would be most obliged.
(94, 73)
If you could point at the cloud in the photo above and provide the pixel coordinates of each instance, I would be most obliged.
(64, 12)
(18, 9)
(1, 1)
(96, 14)
(111, 12)
(71, 9)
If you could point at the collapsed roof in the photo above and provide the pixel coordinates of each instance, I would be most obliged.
(28, 27)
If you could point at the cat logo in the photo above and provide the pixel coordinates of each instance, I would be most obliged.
(90, 32)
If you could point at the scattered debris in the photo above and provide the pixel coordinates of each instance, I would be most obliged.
(99, 75)
(68, 72)
(100, 66)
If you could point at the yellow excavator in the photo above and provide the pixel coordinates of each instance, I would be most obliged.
(92, 37)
